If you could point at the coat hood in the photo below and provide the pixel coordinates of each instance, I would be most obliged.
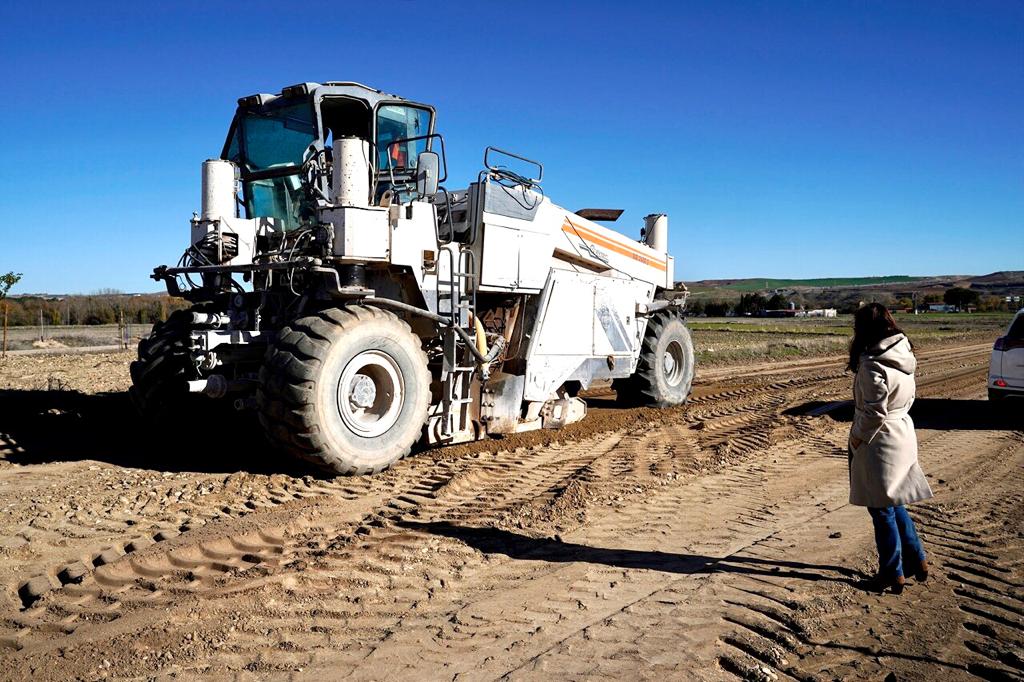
(895, 352)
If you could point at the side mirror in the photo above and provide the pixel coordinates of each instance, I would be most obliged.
(427, 173)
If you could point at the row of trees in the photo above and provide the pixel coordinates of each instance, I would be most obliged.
(104, 308)
(749, 304)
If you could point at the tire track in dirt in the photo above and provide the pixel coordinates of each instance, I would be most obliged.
(776, 629)
(589, 588)
(376, 576)
(794, 637)
(454, 478)
(755, 497)
(969, 540)
(160, 576)
(137, 582)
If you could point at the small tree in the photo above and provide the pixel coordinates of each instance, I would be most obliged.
(7, 282)
(960, 297)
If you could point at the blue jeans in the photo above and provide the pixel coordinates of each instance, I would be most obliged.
(895, 537)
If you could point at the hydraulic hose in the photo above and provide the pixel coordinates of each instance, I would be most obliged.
(443, 321)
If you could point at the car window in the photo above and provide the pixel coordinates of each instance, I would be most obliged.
(1016, 332)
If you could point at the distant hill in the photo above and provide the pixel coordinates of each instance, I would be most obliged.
(768, 284)
(1012, 279)
(1006, 278)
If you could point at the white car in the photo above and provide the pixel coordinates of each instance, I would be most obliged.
(1006, 371)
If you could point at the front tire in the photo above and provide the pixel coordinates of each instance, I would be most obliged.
(664, 372)
(347, 389)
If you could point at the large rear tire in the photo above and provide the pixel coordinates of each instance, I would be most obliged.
(664, 372)
(347, 389)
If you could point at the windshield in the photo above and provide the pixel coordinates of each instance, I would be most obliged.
(272, 142)
(272, 138)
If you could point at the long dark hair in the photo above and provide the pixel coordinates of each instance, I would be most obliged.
(871, 324)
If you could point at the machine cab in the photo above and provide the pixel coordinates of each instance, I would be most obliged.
(273, 139)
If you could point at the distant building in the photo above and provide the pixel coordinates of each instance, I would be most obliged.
(941, 308)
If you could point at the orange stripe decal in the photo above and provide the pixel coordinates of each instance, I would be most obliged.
(592, 237)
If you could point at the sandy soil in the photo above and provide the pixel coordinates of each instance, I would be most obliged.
(710, 542)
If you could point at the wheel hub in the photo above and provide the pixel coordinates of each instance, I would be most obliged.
(370, 393)
(673, 363)
(670, 364)
(364, 391)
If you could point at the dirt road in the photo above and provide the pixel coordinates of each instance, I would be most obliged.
(711, 542)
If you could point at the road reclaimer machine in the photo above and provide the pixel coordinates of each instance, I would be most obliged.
(358, 306)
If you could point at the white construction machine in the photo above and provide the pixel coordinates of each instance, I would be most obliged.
(360, 307)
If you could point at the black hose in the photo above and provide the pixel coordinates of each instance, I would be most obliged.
(443, 321)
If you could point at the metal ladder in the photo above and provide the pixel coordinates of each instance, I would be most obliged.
(456, 300)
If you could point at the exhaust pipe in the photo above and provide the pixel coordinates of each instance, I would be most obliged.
(219, 187)
(656, 232)
(350, 177)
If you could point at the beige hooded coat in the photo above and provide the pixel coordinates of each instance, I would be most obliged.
(883, 469)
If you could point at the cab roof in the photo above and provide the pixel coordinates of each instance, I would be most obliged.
(341, 88)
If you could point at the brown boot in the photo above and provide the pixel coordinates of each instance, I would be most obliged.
(918, 572)
(880, 583)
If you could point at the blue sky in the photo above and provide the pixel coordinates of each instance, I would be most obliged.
(784, 139)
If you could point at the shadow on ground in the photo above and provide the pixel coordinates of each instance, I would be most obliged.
(517, 546)
(934, 413)
(37, 427)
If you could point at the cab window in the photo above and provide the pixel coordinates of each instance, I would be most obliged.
(396, 122)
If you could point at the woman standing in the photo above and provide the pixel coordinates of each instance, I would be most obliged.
(884, 473)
